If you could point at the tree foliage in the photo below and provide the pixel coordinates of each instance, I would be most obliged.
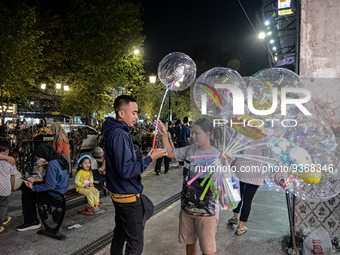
(20, 50)
(85, 44)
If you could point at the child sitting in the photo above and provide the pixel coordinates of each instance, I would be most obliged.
(7, 183)
(84, 185)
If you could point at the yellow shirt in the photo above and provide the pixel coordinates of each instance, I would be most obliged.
(83, 178)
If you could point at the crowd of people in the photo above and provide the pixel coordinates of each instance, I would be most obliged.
(121, 173)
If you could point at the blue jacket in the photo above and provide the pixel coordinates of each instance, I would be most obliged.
(183, 134)
(123, 170)
(55, 179)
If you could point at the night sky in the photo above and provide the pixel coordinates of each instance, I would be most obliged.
(215, 31)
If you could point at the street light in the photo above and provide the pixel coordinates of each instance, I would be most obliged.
(262, 35)
(152, 79)
(58, 87)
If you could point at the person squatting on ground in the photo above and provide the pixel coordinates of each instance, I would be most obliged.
(159, 144)
(123, 177)
(55, 179)
(194, 221)
(84, 185)
(7, 183)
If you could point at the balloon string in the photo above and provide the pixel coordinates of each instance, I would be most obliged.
(159, 114)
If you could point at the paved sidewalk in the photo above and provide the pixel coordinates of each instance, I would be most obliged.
(268, 224)
(267, 227)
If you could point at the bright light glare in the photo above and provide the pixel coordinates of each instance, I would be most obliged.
(152, 79)
(269, 33)
(271, 41)
(136, 51)
(266, 23)
(66, 88)
(275, 58)
(58, 85)
(274, 48)
(43, 86)
(262, 35)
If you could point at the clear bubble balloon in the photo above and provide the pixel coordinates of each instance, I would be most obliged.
(327, 184)
(263, 85)
(313, 134)
(312, 178)
(177, 71)
(279, 78)
(219, 101)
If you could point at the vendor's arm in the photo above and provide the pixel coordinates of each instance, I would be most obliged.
(164, 134)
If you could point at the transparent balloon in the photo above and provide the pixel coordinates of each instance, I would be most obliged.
(263, 96)
(219, 101)
(313, 134)
(312, 178)
(279, 78)
(326, 171)
(177, 71)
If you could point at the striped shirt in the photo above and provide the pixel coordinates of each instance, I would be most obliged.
(250, 170)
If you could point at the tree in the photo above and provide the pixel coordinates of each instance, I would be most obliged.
(97, 54)
(20, 51)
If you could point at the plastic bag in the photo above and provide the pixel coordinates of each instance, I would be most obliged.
(317, 242)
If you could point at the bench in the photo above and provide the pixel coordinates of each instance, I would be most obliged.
(57, 208)
(147, 142)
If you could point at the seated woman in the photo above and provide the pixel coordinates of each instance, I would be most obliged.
(55, 179)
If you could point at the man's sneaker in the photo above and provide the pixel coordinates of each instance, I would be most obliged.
(8, 219)
(233, 221)
(24, 227)
(2, 229)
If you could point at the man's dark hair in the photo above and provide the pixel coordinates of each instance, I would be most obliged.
(178, 122)
(185, 120)
(4, 145)
(121, 101)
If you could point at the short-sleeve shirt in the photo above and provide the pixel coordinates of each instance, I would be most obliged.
(184, 154)
(6, 170)
(159, 138)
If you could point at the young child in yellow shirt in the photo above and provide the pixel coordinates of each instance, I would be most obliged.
(84, 185)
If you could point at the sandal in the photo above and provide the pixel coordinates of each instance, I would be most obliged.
(241, 231)
(233, 221)
(86, 211)
(100, 203)
(99, 211)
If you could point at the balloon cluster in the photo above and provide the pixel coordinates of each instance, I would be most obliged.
(301, 157)
(302, 148)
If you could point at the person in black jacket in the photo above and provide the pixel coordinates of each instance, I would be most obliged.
(123, 176)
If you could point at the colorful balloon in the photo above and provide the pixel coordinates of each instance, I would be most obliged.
(219, 100)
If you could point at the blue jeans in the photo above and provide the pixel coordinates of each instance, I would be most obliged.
(129, 228)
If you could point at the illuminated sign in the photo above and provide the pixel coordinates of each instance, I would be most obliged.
(284, 4)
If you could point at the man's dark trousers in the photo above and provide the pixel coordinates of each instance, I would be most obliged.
(129, 228)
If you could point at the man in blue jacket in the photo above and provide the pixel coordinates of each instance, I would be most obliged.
(123, 177)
